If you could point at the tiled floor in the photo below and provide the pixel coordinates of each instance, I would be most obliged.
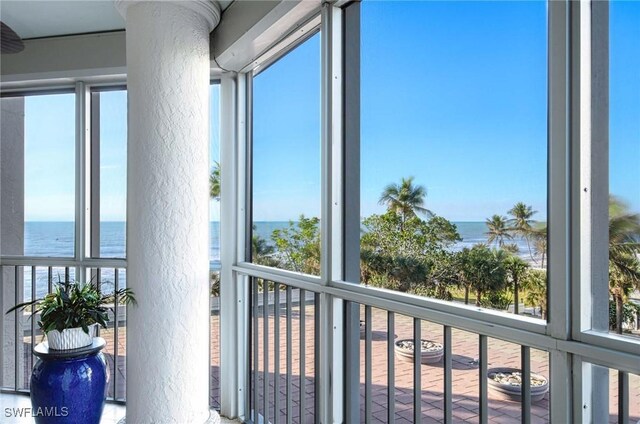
(111, 415)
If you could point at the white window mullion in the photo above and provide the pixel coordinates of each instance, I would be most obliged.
(350, 184)
(595, 182)
(559, 182)
(83, 178)
(331, 225)
(233, 312)
(560, 211)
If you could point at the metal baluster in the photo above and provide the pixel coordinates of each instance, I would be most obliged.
(623, 397)
(66, 274)
(99, 287)
(33, 314)
(116, 281)
(289, 358)
(316, 357)
(391, 370)
(303, 365)
(448, 391)
(525, 359)
(17, 333)
(265, 350)
(276, 352)
(50, 280)
(417, 371)
(484, 404)
(367, 364)
(255, 352)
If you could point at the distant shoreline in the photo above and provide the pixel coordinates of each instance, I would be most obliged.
(56, 238)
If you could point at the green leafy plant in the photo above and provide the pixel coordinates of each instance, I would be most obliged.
(629, 312)
(73, 305)
(299, 245)
(497, 300)
(215, 284)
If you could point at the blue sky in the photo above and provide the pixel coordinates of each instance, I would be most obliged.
(624, 102)
(453, 93)
(49, 157)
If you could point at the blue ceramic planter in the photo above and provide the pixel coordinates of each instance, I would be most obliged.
(69, 387)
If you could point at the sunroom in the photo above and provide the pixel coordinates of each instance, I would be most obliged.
(300, 193)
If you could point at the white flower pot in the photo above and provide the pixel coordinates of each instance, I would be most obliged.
(71, 338)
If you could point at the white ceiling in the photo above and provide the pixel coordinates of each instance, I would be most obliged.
(34, 19)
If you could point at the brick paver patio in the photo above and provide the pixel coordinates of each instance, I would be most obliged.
(464, 373)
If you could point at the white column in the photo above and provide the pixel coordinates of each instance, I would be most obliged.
(167, 216)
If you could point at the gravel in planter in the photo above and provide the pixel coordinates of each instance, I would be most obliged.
(515, 379)
(426, 345)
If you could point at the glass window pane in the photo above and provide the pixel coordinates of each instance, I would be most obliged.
(454, 151)
(214, 178)
(38, 175)
(113, 173)
(214, 253)
(624, 167)
(286, 161)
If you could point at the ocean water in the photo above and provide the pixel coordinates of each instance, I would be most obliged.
(56, 239)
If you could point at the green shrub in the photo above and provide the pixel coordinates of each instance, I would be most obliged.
(496, 300)
(629, 312)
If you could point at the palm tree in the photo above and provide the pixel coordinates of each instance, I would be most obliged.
(261, 251)
(624, 248)
(534, 281)
(516, 269)
(405, 199)
(498, 230)
(521, 222)
(539, 236)
(482, 269)
(214, 182)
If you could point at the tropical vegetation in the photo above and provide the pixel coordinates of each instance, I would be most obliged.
(521, 222)
(498, 230)
(516, 269)
(214, 181)
(624, 251)
(75, 305)
(406, 199)
(409, 248)
(299, 245)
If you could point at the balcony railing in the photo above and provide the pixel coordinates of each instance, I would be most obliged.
(393, 388)
(35, 281)
(27, 281)
(285, 354)
(284, 360)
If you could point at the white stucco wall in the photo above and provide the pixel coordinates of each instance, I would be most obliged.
(11, 225)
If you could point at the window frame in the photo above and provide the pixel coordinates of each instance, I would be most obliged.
(44, 91)
(308, 29)
(591, 312)
(93, 218)
(572, 347)
(81, 260)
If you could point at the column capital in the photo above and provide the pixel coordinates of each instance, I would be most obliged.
(209, 9)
